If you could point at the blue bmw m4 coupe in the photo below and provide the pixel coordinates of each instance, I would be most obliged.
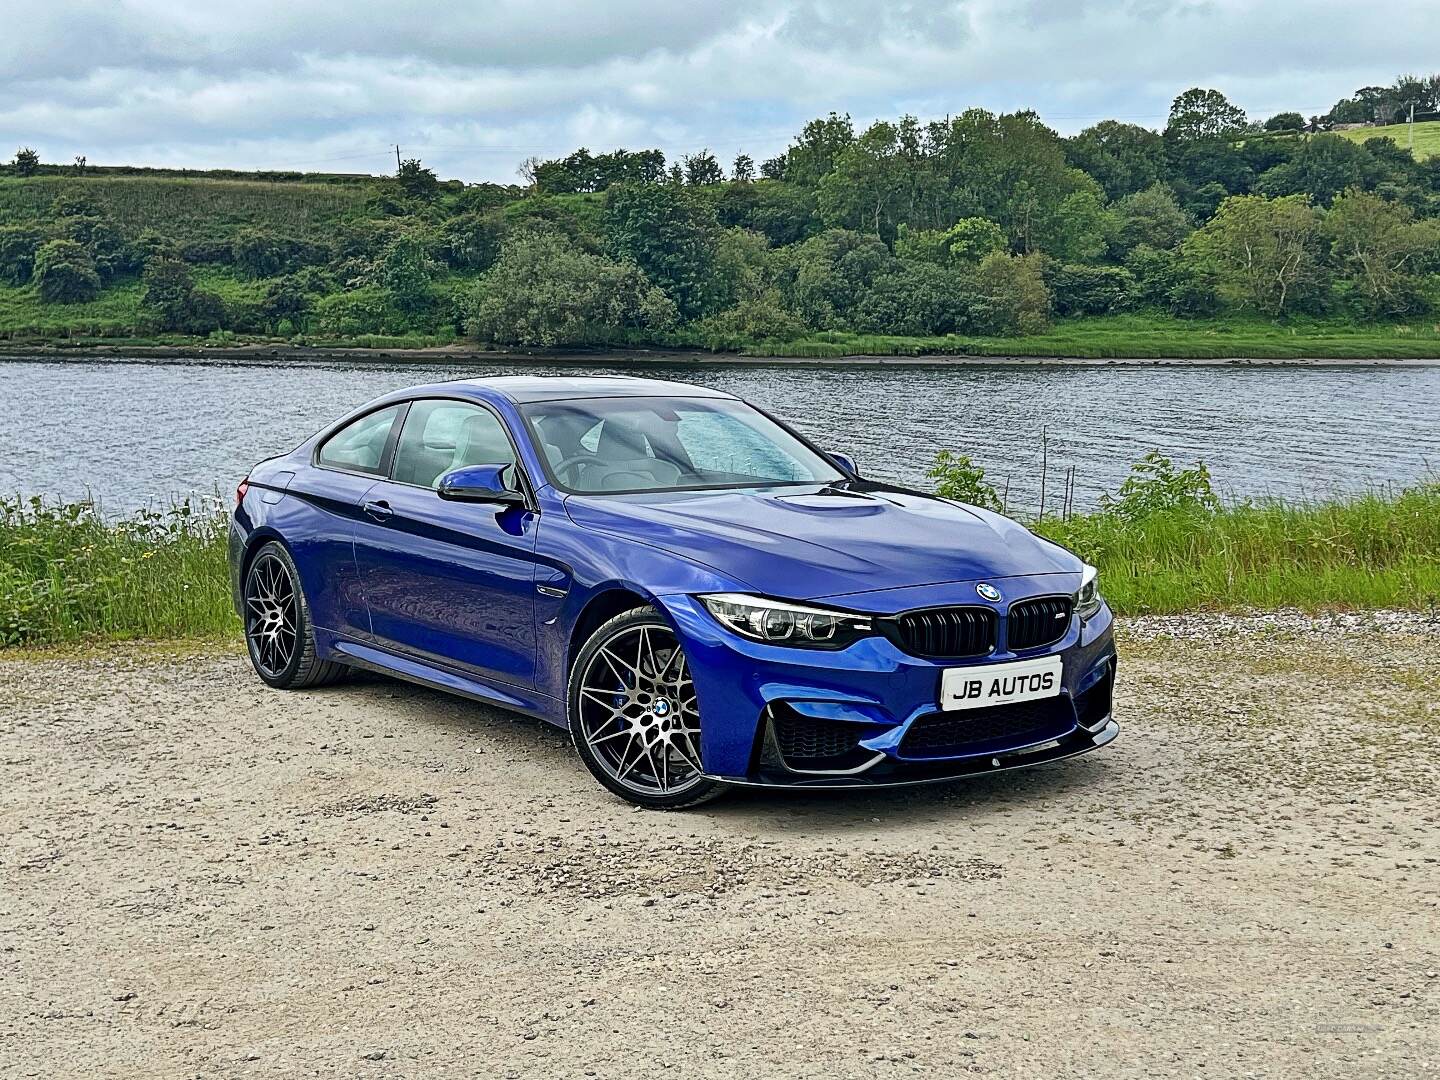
(697, 593)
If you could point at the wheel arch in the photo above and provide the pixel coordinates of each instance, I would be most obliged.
(603, 606)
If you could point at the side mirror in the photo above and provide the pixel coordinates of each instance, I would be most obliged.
(479, 484)
(845, 461)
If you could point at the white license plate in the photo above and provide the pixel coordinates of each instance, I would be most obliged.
(1000, 684)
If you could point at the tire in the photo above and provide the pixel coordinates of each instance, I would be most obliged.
(279, 635)
(633, 715)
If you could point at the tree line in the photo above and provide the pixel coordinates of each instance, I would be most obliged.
(978, 223)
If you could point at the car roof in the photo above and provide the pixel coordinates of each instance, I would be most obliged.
(524, 388)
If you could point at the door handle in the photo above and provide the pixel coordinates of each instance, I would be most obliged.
(379, 510)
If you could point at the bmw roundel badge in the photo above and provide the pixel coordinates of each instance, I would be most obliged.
(988, 592)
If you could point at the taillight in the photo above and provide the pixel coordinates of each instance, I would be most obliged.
(240, 490)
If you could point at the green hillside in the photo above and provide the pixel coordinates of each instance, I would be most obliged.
(186, 209)
(1427, 136)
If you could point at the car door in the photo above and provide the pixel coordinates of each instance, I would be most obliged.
(319, 511)
(449, 582)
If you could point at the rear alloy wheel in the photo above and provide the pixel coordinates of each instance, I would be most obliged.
(633, 714)
(278, 632)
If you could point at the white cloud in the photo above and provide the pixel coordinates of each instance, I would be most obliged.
(475, 87)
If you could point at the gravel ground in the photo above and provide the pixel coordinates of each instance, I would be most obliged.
(203, 877)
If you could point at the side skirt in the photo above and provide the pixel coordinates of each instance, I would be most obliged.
(384, 662)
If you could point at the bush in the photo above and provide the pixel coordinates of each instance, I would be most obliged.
(957, 477)
(171, 296)
(963, 244)
(1164, 280)
(917, 300)
(18, 245)
(1091, 290)
(1008, 296)
(404, 271)
(1156, 486)
(66, 273)
(542, 291)
(258, 253)
(359, 311)
(760, 318)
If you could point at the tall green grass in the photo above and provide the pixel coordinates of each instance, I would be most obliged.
(67, 574)
(1367, 551)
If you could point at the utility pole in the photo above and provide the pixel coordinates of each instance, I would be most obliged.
(1412, 127)
(397, 159)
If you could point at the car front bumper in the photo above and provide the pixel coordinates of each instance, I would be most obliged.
(769, 709)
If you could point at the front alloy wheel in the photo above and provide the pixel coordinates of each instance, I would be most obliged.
(633, 714)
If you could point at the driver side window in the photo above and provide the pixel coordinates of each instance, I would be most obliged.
(441, 435)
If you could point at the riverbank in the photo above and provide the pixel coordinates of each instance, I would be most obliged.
(1116, 339)
(264, 352)
(205, 876)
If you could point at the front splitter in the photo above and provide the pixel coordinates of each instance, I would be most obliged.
(911, 773)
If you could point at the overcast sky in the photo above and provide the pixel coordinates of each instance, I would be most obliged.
(473, 88)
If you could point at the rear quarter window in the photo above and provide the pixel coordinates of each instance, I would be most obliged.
(359, 446)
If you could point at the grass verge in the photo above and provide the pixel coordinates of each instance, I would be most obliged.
(67, 575)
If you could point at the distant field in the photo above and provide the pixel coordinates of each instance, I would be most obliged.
(188, 209)
(1427, 136)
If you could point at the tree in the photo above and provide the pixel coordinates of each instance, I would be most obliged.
(1008, 296)
(671, 235)
(404, 271)
(1324, 167)
(743, 171)
(916, 299)
(1151, 217)
(826, 277)
(1204, 114)
(1123, 158)
(65, 273)
(1285, 121)
(417, 181)
(171, 295)
(1382, 252)
(816, 149)
(27, 161)
(702, 169)
(1079, 229)
(18, 245)
(865, 188)
(1090, 290)
(783, 213)
(1265, 253)
(260, 253)
(542, 291)
(963, 244)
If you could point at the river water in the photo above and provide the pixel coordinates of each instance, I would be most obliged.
(137, 433)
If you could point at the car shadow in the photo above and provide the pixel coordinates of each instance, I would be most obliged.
(832, 809)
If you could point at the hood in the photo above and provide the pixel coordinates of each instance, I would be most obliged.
(804, 543)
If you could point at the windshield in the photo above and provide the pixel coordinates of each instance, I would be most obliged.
(669, 444)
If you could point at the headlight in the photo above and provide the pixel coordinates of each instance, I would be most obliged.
(779, 623)
(1088, 599)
